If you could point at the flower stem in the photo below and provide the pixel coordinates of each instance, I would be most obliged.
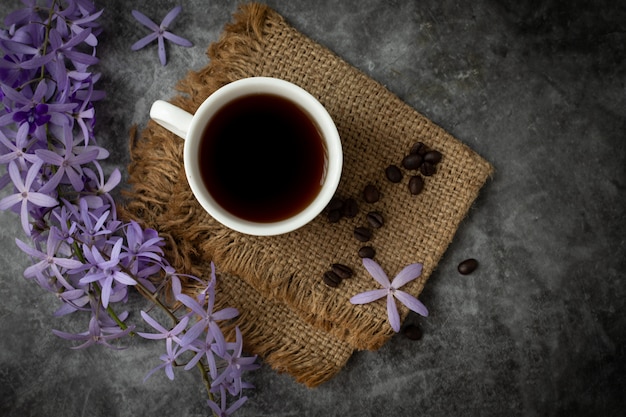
(110, 310)
(47, 36)
(207, 383)
(153, 297)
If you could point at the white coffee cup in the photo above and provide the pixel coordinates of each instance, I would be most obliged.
(192, 128)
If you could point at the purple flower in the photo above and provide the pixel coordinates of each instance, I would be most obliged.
(73, 300)
(169, 359)
(236, 364)
(222, 410)
(18, 151)
(92, 225)
(14, 72)
(207, 319)
(49, 260)
(100, 188)
(159, 32)
(25, 196)
(205, 348)
(31, 108)
(69, 164)
(143, 246)
(75, 21)
(163, 332)
(23, 15)
(95, 335)
(84, 114)
(66, 226)
(60, 49)
(105, 271)
(22, 45)
(391, 290)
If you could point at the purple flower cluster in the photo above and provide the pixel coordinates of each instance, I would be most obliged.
(197, 340)
(53, 179)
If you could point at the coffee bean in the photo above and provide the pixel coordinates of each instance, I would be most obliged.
(416, 185)
(412, 161)
(362, 234)
(335, 203)
(427, 169)
(350, 208)
(412, 332)
(467, 266)
(432, 157)
(418, 148)
(342, 271)
(375, 219)
(334, 216)
(367, 252)
(331, 279)
(371, 194)
(393, 173)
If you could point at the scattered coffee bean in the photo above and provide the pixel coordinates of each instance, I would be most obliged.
(427, 169)
(418, 148)
(393, 173)
(335, 203)
(334, 216)
(331, 279)
(362, 234)
(412, 161)
(432, 157)
(367, 252)
(375, 219)
(413, 332)
(342, 271)
(416, 184)
(371, 194)
(350, 208)
(467, 266)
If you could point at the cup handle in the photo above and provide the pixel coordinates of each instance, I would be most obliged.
(173, 118)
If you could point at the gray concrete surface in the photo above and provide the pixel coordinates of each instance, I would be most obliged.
(537, 88)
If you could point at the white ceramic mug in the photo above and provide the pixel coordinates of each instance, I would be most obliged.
(192, 128)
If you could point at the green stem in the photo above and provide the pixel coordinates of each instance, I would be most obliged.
(110, 310)
(153, 297)
(47, 36)
(207, 383)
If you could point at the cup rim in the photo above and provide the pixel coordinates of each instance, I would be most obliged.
(315, 110)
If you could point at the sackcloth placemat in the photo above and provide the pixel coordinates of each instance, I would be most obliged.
(285, 272)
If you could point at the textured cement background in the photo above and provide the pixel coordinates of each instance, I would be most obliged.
(537, 88)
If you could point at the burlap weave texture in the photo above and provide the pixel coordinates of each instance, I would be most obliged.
(283, 273)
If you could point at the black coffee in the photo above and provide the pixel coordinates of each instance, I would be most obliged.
(262, 158)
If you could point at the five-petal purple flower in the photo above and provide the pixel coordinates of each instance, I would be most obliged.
(24, 194)
(95, 335)
(48, 260)
(391, 290)
(159, 32)
(105, 271)
(163, 332)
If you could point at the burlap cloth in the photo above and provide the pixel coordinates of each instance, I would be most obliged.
(288, 315)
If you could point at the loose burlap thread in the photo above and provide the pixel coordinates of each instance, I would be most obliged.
(289, 316)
